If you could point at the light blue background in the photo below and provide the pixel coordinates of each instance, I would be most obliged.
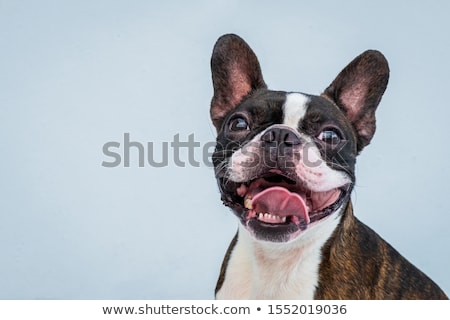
(78, 74)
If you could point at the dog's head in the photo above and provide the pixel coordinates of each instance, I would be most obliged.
(285, 161)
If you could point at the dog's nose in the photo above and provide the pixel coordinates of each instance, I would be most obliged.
(281, 136)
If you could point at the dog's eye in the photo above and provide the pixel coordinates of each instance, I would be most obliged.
(239, 124)
(330, 136)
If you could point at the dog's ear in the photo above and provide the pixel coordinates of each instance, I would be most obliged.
(358, 89)
(235, 73)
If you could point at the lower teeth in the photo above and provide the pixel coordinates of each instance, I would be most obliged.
(270, 218)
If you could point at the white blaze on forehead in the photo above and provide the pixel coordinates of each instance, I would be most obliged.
(294, 109)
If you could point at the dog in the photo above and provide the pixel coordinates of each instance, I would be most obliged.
(285, 165)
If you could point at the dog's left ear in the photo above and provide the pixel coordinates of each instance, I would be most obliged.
(358, 89)
(235, 73)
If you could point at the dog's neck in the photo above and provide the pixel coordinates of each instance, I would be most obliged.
(265, 270)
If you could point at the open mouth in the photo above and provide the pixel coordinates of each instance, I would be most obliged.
(277, 207)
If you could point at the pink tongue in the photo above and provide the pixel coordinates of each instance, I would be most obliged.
(279, 201)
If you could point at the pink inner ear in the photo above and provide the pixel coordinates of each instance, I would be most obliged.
(239, 82)
(354, 99)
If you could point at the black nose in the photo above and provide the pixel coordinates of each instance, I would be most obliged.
(281, 137)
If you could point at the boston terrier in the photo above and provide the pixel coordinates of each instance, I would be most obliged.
(285, 165)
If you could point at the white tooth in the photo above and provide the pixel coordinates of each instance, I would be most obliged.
(261, 216)
(248, 203)
(283, 219)
(266, 215)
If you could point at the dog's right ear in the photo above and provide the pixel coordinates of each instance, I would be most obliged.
(235, 73)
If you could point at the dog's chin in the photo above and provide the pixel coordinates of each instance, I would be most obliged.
(280, 233)
(276, 208)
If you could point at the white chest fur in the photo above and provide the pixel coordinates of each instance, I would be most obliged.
(263, 270)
